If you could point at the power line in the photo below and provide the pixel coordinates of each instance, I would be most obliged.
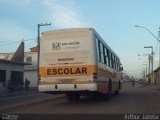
(5, 41)
(30, 39)
(15, 42)
(10, 43)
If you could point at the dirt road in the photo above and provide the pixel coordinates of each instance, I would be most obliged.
(130, 100)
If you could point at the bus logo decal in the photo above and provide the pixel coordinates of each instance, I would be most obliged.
(56, 46)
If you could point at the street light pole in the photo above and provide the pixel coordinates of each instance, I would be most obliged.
(146, 61)
(151, 58)
(148, 31)
(159, 44)
(146, 69)
(157, 38)
(38, 46)
(143, 73)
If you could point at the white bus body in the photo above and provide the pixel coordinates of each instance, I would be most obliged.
(77, 61)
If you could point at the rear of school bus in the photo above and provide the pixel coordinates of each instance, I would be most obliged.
(67, 62)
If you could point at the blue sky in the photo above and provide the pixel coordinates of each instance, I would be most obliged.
(114, 20)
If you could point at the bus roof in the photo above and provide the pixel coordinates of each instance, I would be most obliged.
(67, 30)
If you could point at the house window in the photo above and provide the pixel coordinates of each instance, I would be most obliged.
(29, 59)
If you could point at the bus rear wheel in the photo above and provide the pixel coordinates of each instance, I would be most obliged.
(107, 96)
(119, 87)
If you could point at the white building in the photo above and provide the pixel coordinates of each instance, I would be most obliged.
(6, 56)
(30, 71)
(12, 72)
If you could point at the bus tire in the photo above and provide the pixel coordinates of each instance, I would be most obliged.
(119, 87)
(109, 94)
(120, 84)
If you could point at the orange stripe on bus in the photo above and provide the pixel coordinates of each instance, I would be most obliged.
(61, 71)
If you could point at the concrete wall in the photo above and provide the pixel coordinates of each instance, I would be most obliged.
(1, 87)
(7, 56)
(33, 55)
(158, 81)
(32, 77)
(30, 71)
(9, 67)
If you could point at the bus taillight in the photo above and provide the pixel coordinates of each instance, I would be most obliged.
(39, 77)
(94, 75)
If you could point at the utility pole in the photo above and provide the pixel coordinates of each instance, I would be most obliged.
(38, 47)
(157, 38)
(158, 81)
(146, 69)
(151, 59)
(149, 63)
(159, 44)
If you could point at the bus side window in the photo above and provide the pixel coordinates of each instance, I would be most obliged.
(101, 52)
(116, 63)
(97, 49)
(109, 57)
(105, 56)
(112, 62)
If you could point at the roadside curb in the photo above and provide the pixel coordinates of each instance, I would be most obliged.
(18, 93)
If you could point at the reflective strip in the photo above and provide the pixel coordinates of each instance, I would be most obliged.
(68, 87)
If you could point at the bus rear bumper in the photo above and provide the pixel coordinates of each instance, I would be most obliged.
(68, 87)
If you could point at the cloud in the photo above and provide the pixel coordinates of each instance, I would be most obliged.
(12, 33)
(64, 13)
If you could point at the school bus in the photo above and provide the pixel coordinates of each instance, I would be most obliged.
(77, 62)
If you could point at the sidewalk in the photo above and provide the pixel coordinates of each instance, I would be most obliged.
(18, 92)
(22, 98)
(144, 86)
